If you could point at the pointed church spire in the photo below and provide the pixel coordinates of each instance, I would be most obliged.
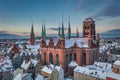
(69, 29)
(77, 33)
(42, 30)
(62, 34)
(32, 35)
(59, 31)
(32, 30)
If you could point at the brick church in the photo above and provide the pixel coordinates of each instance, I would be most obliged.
(63, 50)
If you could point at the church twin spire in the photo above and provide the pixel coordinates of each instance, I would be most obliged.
(61, 31)
(43, 30)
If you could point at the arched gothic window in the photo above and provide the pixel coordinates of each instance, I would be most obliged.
(70, 56)
(57, 59)
(44, 58)
(83, 58)
(74, 56)
(67, 62)
(51, 58)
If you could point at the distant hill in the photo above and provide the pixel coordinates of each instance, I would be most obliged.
(10, 36)
(108, 34)
(114, 31)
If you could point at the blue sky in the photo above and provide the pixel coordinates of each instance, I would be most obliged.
(16, 16)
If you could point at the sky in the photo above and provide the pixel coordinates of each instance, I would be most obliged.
(16, 16)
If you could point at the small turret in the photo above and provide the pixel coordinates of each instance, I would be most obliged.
(77, 33)
(97, 37)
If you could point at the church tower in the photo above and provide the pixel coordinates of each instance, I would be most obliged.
(32, 36)
(89, 28)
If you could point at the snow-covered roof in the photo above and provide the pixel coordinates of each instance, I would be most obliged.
(55, 40)
(101, 66)
(9, 49)
(19, 42)
(99, 69)
(68, 79)
(39, 77)
(113, 75)
(29, 52)
(34, 62)
(73, 63)
(81, 42)
(103, 48)
(18, 77)
(90, 72)
(5, 63)
(117, 62)
(47, 69)
(20, 46)
(88, 19)
(33, 46)
(26, 65)
(21, 75)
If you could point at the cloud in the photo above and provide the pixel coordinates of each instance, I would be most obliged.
(15, 33)
(23, 33)
(56, 29)
(111, 9)
(87, 5)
